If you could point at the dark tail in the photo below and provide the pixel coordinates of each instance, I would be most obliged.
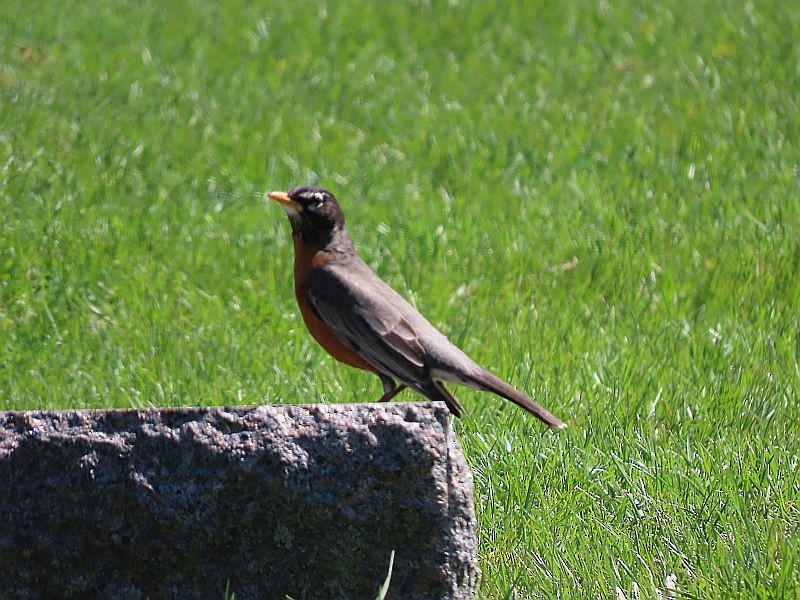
(490, 383)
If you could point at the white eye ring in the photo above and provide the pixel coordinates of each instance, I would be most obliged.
(319, 197)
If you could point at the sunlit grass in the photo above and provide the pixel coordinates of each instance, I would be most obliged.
(599, 202)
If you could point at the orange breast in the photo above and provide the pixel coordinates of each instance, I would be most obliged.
(306, 259)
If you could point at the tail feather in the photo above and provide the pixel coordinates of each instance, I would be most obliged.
(490, 383)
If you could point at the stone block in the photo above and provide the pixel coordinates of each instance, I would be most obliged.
(270, 501)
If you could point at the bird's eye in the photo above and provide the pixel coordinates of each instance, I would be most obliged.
(317, 200)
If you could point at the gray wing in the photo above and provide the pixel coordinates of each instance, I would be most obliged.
(371, 318)
(377, 323)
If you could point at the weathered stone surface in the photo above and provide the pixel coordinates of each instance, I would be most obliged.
(304, 501)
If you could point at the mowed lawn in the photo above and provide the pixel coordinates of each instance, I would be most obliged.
(598, 201)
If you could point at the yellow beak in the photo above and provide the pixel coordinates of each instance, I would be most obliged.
(280, 197)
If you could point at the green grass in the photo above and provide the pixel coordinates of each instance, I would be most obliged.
(598, 201)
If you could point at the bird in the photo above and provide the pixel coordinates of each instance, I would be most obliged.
(364, 323)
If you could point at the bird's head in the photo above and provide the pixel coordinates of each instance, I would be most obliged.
(313, 212)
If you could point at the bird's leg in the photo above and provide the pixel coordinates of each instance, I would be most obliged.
(392, 393)
(390, 388)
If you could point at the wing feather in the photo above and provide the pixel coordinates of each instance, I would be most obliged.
(373, 325)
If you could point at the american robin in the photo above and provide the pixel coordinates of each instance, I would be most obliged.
(364, 323)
